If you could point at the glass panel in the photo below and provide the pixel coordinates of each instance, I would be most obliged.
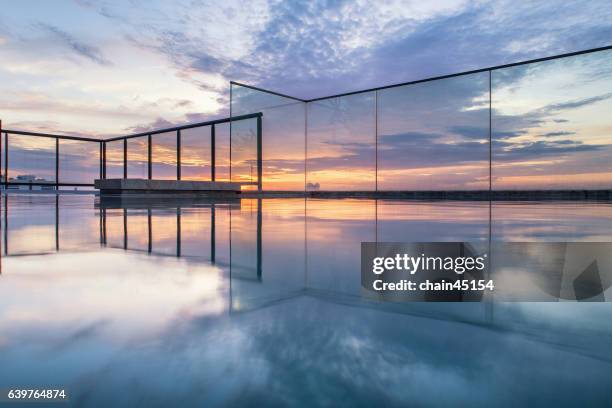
(432, 221)
(335, 230)
(163, 156)
(137, 229)
(283, 139)
(196, 233)
(435, 135)
(137, 157)
(2, 153)
(551, 124)
(31, 159)
(341, 144)
(79, 162)
(244, 255)
(222, 233)
(164, 231)
(114, 159)
(114, 227)
(30, 224)
(244, 151)
(222, 154)
(79, 221)
(195, 153)
(268, 252)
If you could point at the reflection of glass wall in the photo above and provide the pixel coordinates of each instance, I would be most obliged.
(114, 159)
(334, 232)
(552, 125)
(29, 227)
(341, 143)
(164, 230)
(435, 135)
(31, 159)
(137, 229)
(137, 158)
(79, 162)
(163, 156)
(195, 153)
(283, 140)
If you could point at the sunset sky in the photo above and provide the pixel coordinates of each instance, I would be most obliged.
(99, 69)
(110, 67)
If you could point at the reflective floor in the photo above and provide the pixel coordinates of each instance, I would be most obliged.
(258, 302)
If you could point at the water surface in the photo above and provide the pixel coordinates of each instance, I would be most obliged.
(259, 302)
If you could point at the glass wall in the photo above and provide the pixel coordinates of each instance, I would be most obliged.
(341, 144)
(552, 124)
(79, 161)
(529, 127)
(137, 158)
(31, 159)
(538, 126)
(114, 159)
(435, 135)
(163, 156)
(222, 152)
(196, 153)
(283, 139)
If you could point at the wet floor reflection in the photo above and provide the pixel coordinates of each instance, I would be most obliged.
(242, 300)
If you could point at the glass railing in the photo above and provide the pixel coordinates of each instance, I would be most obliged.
(540, 125)
(201, 151)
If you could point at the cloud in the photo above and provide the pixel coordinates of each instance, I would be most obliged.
(89, 52)
(561, 133)
(577, 103)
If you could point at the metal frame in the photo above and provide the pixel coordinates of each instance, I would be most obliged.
(475, 71)
(488, 70)
(103, 151)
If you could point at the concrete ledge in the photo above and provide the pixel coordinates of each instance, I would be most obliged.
(145, 186)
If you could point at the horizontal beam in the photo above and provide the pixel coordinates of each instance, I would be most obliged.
(190, 126)
(153, 132)
(50, 135)
(267, 91)
(475, 71)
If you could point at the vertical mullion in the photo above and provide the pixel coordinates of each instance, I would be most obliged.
(178, 154)
(101, 175)
(149, 231)
(212, 233)
(212, 152)
(125, 229)
(6, 159)
(178, 231)
(376, 139)
(259, 155)
(125, 158)
(56, 164)
(57, 243)
(149, 165)
(259, 236)
(103, 160)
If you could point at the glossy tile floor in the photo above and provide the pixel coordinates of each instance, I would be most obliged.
(258, 302)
